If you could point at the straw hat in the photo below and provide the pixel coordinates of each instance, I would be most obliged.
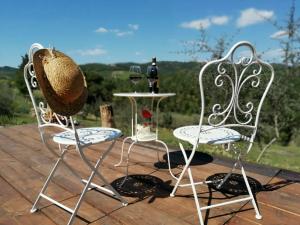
(61, 81)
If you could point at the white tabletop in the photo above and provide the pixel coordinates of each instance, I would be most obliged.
(144, 94)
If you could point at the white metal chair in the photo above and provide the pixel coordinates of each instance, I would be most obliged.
(234, 121)
(69, 137)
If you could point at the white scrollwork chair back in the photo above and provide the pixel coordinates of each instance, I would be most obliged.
(232, 92)
(44, 114)
(248, 82)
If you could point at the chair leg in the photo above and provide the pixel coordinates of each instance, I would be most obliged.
(113, 191)
(71, 220)
(88, 183)
(110, 190)
(178, 181)
(66, 164)
(227, 176)
(187, 164)
(59, 160)
(258, 215)
(195, 196)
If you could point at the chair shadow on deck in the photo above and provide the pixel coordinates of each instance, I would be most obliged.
(235, 186)
(143, 186)
(176, 159)
(232, 188)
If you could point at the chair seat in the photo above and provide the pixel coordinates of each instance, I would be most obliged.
(87, 136)
(209, 134)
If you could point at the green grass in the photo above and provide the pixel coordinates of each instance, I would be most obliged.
(16, 120)
(89, 121)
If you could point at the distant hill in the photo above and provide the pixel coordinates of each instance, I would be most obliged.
(120, 70)
(7, 72)
(8, 69)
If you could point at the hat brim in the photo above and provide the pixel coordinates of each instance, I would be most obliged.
(54, 101)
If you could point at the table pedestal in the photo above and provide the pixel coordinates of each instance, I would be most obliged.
(137, 136)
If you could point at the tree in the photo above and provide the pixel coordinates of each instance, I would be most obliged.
(202, 46)
(6, 99)
(285, 113)
(291, 44)
(20, 83)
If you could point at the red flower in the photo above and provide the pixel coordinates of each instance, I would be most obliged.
(146, 114)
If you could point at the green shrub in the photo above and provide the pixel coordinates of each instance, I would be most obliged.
(6, 99)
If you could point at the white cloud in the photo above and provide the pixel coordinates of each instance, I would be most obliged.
(274, 55)
(279, 34)
(219, 20)
(197, 24)
(133, 26)
(253, 16)
(124, 33)
(119, 32)
(114, 30)
(137, 53)
(92, 52)
(101, 30)
(205, 23)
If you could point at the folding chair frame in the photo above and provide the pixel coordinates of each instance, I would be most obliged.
(63, 124)
(237, 82)
(193, 184)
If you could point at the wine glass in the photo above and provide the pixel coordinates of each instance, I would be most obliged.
(135, 74)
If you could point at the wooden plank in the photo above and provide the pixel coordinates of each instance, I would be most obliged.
(107, 220)
(280, 185)
(141, 213)
(143, 170)
(25, 180)
(5, 220)
(242, 221)
(15, 209)
(62, 178)
(281, 194)
(19, 138)
(60, 216)
(156, 209)
(271, 215)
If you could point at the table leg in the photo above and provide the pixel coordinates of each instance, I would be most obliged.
(122, 151)
(127, 161)
(168, 156)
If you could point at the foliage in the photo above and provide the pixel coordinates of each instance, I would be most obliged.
(202, 46)
(283, 113)
(16, 119)
(7, 73)
(19, 81)
(6, 98)
(103, 80)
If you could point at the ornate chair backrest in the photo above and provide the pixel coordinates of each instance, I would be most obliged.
(233, 89)
(45, 116)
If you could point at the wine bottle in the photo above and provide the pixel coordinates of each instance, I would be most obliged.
(152, 72)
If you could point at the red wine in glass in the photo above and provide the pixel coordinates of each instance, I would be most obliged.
(135, 74)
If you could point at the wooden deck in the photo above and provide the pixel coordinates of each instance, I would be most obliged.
(24, 165)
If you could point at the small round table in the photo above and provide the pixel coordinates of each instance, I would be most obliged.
(135, 136)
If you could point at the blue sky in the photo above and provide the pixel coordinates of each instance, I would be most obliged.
(133, 30)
